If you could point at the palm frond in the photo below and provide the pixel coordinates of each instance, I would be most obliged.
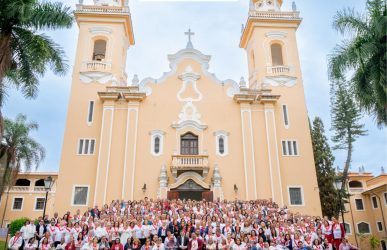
(48, 15)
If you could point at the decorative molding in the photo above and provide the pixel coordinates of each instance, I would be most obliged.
(189, 77)
(99, 77)
(189, 176)
(221, 134)
(100, 30)
(154, 134)
(191, 124)
(279, 81)
(276, 34)
(189, 116)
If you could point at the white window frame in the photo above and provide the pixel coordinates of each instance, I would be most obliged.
(369, 226)
(350, 229)
(88, 113)
(372, 202)
(160, 134)
(302, 196)
(36, 200)
(292, 141)
(287, 115)
(73, 194)
(377, 226)
(83, 146)
(13, 203)
(354, 200)
(221, 134)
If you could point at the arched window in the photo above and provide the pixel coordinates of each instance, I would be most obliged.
(157, 145)
(221, 145)
(355, 184)
(363, 228)
(22, 183)
(99, 52)
(39, 183)
(189, 144)
(276, 55)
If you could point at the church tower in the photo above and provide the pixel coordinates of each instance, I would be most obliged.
(105, 34)
(269, 39)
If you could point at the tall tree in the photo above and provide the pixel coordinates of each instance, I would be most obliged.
(346, 123)
(325, 171)
(25, 53)
(361, 58)
(20, 149)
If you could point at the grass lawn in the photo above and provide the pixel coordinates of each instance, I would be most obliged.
(2, 245)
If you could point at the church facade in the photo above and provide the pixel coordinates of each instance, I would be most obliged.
(187, 134)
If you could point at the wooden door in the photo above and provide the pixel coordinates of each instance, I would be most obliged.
(208, 195)
(173, 195)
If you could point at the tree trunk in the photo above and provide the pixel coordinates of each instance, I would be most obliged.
(5, 65)
(347, 164)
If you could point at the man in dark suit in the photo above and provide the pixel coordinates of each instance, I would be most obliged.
(195, 243)
(40, 230)
(182, 241)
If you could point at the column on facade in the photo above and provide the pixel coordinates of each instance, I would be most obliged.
(101, 181)
(248, 151)
(273, 155)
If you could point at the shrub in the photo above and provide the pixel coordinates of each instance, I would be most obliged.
(16, 225)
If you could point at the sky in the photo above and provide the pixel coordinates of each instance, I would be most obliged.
(159, 28)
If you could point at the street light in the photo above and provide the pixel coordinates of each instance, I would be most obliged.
(48, 182)
(338, 185)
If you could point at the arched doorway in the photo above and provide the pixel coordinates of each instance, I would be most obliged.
(190, 190)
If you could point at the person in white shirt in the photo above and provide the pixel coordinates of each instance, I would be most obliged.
(16, 241)
(100, 231)
(60, 232)
(31, 245)
(62, 244)
(28, 231)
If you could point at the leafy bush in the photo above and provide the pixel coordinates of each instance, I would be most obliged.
(16, 225)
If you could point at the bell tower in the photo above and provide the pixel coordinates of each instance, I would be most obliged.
(105, 34)
(269, 39)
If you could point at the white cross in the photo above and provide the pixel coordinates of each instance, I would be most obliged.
(189, 34)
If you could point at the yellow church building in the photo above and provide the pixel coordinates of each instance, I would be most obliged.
(187, 134)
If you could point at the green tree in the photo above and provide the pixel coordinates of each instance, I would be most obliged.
(346, 123)
(361, 58)
(20, 149)
(325, 171)
(16, 225)
(25, 52)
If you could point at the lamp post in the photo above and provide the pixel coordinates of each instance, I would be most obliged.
(338, 185)
(48, 182)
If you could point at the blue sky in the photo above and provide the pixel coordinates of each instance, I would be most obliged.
(159, 30)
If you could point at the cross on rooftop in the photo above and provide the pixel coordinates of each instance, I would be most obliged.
(189, 34)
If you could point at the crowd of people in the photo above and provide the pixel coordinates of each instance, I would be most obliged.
(188, 225)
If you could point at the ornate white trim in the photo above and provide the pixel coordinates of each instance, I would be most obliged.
(189, 124)
(99, 77)
(189, 77)
(100, 30)
(189, 176)
(276, 81)
(276, 34)
(221, 134)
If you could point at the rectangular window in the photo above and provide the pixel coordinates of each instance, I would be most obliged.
(91, 111)
(86, 146)
(17, 203)
(374, 202)
(347, 228)
(380, 226)
(385, 198)
(39, 203)
(289, 148)
(295, 196)
(285, 114)
(284, 149)
(80, 195)
(359, 204)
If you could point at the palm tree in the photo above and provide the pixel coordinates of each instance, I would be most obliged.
(19, 148)
(25, 52)
(361, 58)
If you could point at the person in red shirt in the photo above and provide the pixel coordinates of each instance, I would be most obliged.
(338, 232)
(117, 245)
